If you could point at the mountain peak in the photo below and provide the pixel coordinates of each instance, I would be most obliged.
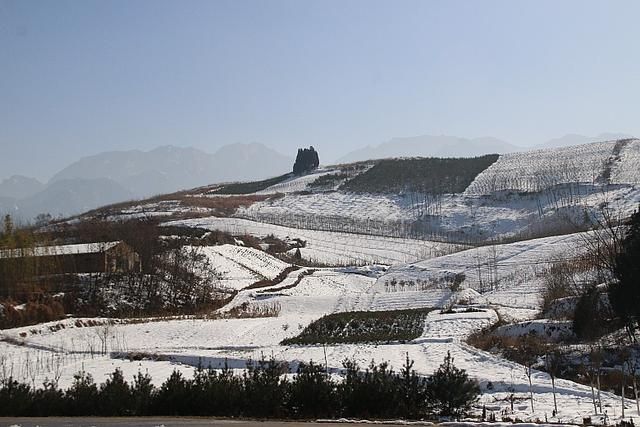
(19, 186)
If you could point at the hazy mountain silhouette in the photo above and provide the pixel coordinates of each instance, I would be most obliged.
(123, 175)
(575, 139)
(453, 146)
(166, 169)
(431, 146)
(69, 196)
(18, 186)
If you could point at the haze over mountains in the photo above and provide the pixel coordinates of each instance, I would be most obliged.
(453, 146)
(116, 176)
(124, 175)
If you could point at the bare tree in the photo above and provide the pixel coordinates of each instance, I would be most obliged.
(595, 366)
(554, 361)
(526, 354)
(632, 364)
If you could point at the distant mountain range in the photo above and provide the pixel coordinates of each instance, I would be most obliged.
(430, 146)
(124, 175)
(574, 139)
(453, 146)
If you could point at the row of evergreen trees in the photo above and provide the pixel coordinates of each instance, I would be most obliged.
(262, 391)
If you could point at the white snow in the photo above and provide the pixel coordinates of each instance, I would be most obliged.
(296, 184)
(508, 275)
(540, 169)
(331, 247)
(544, 328)
(627, 170)
(239, 266)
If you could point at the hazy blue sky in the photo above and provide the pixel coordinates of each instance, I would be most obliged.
(80, 77)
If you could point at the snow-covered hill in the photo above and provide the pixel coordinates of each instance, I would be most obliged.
(366, 262)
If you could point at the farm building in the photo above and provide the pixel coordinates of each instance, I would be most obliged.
(103, 257)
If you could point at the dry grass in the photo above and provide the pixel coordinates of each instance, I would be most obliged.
(248, 310)
(222, 205)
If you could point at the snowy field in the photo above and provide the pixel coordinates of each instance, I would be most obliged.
(509, 275)
(498, 215)
(239, 267)
(627, 170)
(330, 247)
(360, 206)
(36, 352)
(540, 169)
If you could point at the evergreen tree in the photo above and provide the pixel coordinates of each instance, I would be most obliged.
(82, 397)
(349, 389)
(48, 401)
(413, 392)
(115, 396)
(369, 394)
(306, 160)
(15, 398)
(450, 392)
(624, 294)
(265, 389)
(225, 393)
(142, 394)
(173, 397)
(312, 393)
(380, 386)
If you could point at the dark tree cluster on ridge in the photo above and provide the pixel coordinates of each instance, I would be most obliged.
(306, 160)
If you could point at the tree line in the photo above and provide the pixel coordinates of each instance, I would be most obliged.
(262, 391)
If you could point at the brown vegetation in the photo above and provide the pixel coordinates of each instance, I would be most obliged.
(38, 310)
(222, 205)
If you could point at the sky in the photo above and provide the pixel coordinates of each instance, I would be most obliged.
(86, 76)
